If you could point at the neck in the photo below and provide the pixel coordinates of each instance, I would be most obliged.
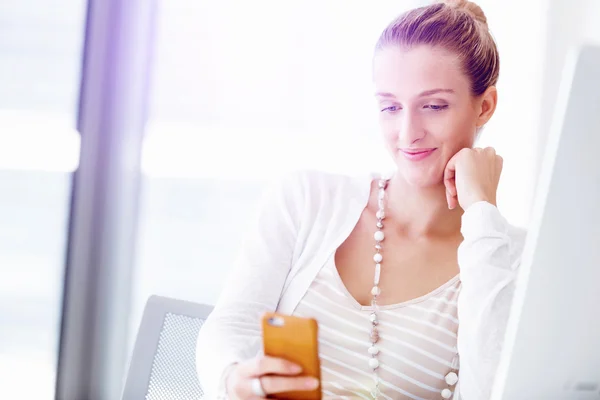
(421, 211)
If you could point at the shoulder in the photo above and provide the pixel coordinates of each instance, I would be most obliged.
(313, 196)
(314, 184)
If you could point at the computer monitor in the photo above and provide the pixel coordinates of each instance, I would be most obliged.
(552, 345)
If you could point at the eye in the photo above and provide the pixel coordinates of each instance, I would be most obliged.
(390, 109)
(435, 107)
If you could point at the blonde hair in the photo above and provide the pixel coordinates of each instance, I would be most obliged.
(459, 26)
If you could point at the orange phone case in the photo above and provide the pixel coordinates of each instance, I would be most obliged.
(294, 339)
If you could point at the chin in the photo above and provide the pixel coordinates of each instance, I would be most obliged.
(424, 173)
(421, 179)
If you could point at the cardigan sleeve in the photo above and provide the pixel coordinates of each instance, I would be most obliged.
(488, 258)
(232, 332)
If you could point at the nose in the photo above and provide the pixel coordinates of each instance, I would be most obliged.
(411, 129)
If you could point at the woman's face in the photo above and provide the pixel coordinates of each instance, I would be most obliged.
(427, 112)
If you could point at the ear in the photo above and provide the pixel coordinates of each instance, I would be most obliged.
(486, 106)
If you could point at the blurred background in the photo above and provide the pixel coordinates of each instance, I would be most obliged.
(241, 92)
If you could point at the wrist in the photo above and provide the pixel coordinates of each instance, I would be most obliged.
(480, 198)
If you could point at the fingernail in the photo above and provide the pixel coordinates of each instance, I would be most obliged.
(296, 368)
(311, 383)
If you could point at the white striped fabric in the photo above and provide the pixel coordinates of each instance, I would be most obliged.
(417, 340)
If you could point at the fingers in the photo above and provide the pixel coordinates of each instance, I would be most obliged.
(499, 163)
(451, 193)
(280, 384)
(452, 201)
(450, 182)
(449, 174)
(268, 365)
(276, 376)
(475, 172)
(489, 151)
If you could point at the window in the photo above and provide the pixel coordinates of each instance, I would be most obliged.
(40, 53)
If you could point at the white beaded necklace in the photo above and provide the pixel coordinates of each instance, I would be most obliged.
(452, 377)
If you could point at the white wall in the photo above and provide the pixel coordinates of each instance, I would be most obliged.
(591, 24)
(534, 38)
(569, 23)
(519, 30)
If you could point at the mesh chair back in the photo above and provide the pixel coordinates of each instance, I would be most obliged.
(163, 365)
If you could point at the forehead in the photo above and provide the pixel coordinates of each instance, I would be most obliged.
(406, 72)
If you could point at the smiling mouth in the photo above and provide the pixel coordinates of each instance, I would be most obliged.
(417, 154)
(417, 151)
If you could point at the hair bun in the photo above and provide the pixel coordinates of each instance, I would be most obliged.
(472, 8)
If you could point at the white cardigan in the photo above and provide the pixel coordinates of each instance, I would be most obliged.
(306, 217)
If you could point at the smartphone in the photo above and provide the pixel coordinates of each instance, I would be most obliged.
(294, 339)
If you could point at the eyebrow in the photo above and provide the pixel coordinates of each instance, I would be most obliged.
(435, 91)
(422, 94)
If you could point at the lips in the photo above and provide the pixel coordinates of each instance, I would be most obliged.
(417, 154)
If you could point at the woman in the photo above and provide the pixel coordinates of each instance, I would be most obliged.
(411, 276)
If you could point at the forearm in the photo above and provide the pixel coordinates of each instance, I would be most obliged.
(488, 263)
(232, 333)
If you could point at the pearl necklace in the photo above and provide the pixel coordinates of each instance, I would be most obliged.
(452, 377)
(376, 291)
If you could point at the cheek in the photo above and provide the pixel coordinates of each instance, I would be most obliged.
(389, 131)
(456, 131)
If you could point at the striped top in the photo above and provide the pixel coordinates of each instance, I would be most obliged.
(417, 340)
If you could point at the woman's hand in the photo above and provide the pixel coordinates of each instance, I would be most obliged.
(472, 175)
(276, 376)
